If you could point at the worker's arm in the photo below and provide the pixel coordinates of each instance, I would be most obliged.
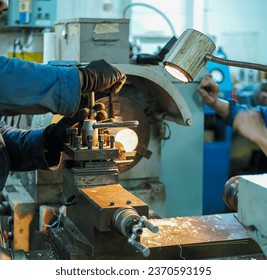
(251, 124)
(24, 149)
(226, 110)
(209, 91)
(249, 121)
(39, 148)
(32, 88)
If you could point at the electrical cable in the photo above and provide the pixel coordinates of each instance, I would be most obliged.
(17, 43)
(152, 8)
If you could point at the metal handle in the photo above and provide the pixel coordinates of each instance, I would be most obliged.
(148, 224)
(141, 248)
(116, 124)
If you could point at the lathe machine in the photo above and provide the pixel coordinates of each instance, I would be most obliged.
(91, 215)
(108, 199)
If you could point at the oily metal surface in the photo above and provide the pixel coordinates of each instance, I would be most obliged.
(195, 229)
(203, 237)
(191, 238)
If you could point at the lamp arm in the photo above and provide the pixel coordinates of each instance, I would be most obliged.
(235, 63)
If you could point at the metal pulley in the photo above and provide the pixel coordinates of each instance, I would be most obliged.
(230, 193)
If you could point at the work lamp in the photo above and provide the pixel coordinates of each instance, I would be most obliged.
(189, 54)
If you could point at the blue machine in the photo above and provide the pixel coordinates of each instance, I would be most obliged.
(32, 13)
(218, 148)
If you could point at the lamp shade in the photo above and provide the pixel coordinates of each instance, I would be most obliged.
(187, 56)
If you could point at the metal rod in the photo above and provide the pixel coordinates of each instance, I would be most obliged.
(91, 104)
(110, 106)
(116, 124)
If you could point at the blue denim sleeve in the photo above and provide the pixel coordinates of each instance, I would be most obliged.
(236, 107)
(24, 148)
(32, 88)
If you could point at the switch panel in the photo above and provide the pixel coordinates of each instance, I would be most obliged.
(32, 13)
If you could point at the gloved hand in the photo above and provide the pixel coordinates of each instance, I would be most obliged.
(101, 76)
(99, 113)
(54, 135)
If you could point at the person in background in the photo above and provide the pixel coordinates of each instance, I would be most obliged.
(249, 121)
(3, 6)
(32, 88)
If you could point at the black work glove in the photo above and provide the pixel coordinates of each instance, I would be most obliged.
(99, 76)
(55, 134)
(98, 113)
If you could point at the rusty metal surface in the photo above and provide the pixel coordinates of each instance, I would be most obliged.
(23, 207)
(85, 154)
(99, 203)
(93, 174)
(111, 196)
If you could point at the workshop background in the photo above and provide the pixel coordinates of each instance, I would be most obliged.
(237, 28)
(164, 179)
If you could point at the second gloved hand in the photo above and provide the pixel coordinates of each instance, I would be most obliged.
(101, 76)
(55, 134)
(99, 113)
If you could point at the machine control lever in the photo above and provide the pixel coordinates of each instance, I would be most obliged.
(144, 222)
(128, 222)
(140, 247)
(116, 124)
